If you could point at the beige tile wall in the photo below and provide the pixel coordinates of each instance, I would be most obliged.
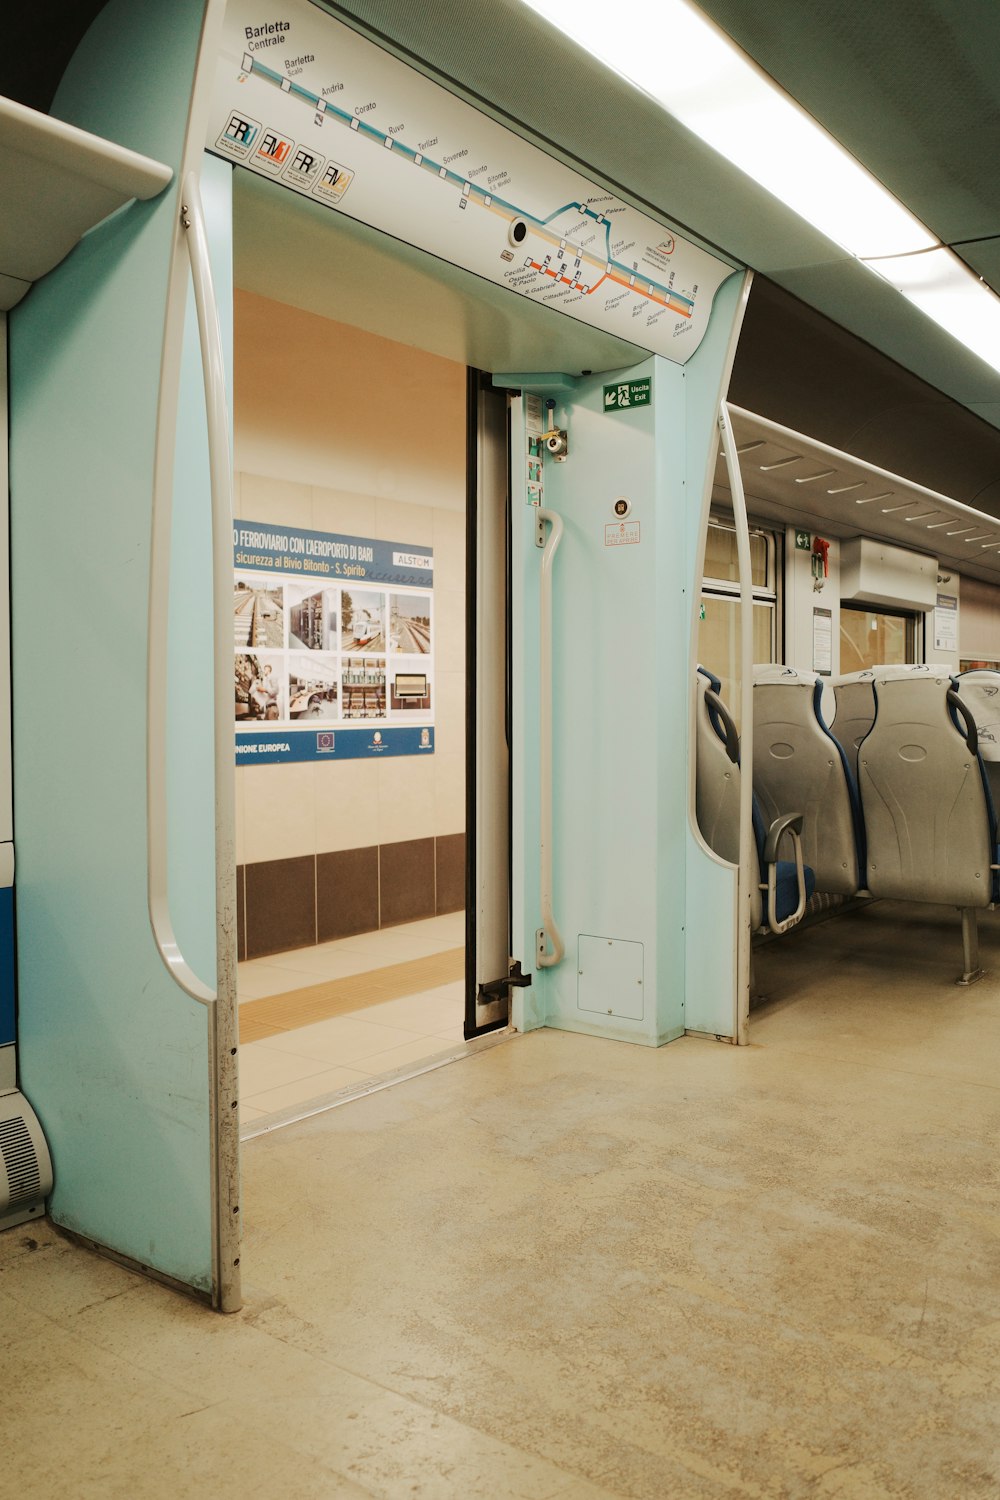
(337, 430)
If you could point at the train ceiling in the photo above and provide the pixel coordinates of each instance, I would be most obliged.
(908, 86)
(791, 479)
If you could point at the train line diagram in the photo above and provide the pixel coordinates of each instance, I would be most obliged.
(387, 146)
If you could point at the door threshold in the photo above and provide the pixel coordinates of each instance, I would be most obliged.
(321, 1105)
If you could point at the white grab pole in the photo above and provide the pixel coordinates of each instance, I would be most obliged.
(224, 1023)
(748, 875)
(549, 949)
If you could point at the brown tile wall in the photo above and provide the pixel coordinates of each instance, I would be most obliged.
(450, 873)
(346, 893)
(280, 905)
(241, 913)
(406, 881)
(293, 903)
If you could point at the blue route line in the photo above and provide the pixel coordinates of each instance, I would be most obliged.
(681, 302)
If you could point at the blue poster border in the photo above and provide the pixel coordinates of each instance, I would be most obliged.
(278, 747)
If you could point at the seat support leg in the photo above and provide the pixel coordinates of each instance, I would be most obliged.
(970, 946)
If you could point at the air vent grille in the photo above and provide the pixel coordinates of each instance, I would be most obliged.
(19, 1158)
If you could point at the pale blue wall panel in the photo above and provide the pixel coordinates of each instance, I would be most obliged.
(114, 1056)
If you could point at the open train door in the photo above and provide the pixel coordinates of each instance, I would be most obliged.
(490, 971)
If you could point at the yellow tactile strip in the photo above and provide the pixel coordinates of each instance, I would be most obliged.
(260, 1019)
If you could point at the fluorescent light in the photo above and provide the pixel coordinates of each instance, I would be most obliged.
(702, 78)
(945, 289)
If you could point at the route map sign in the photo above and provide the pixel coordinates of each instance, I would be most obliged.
(333, 646)
(304, 100)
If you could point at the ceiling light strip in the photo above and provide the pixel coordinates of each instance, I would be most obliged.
(696, 73)
(699, 76)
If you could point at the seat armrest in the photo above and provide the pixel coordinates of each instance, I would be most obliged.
(787, 823)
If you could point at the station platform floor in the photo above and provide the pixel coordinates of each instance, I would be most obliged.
(318, 1021)
(571, 1269)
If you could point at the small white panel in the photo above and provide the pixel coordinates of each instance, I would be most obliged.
(610, 977)
(874, 572)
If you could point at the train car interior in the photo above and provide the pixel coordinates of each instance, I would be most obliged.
(863, 692)
(542, 582)
(508, 898)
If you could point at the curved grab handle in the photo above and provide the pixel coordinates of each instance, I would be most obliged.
(965, 714)
(548, 933)
(217, 415)
(717, 707)
(223, 1009)
(748, 854)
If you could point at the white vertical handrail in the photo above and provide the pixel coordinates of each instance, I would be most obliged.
(747, 873)
(548, 933)
(223, 1016)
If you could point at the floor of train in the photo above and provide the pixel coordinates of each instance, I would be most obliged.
(577, 1270)
(318, 1022)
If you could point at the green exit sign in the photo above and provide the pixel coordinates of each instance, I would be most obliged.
(627, 394)
(803, 541)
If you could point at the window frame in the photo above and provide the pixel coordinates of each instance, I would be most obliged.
(768, 594)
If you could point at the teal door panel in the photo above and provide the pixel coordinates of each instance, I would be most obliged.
(114, 1056)
(629, 876)
(711, 927)
(614, 624)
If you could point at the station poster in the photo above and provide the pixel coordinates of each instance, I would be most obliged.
(334, 646)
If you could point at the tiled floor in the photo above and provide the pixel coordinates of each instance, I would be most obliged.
(573, 1269)
(300, 1066)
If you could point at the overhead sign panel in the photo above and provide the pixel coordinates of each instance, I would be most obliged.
(304, 100)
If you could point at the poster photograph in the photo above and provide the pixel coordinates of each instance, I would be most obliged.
(258, 613)
(260, 688)
(313, 688)
(363, 614)
(410, 623)
(333, 644)
(312, 618)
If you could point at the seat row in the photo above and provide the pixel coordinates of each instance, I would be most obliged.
(894, 798)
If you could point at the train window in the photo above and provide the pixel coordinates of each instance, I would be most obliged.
(875, 637)
(719, 629)
(721, 564)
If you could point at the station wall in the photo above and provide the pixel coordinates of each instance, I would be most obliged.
(339, 430)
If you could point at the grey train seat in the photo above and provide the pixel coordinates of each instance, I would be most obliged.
(929, 815)
(799, 765)
(980, 690)
(854, 695)
(779, 897)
